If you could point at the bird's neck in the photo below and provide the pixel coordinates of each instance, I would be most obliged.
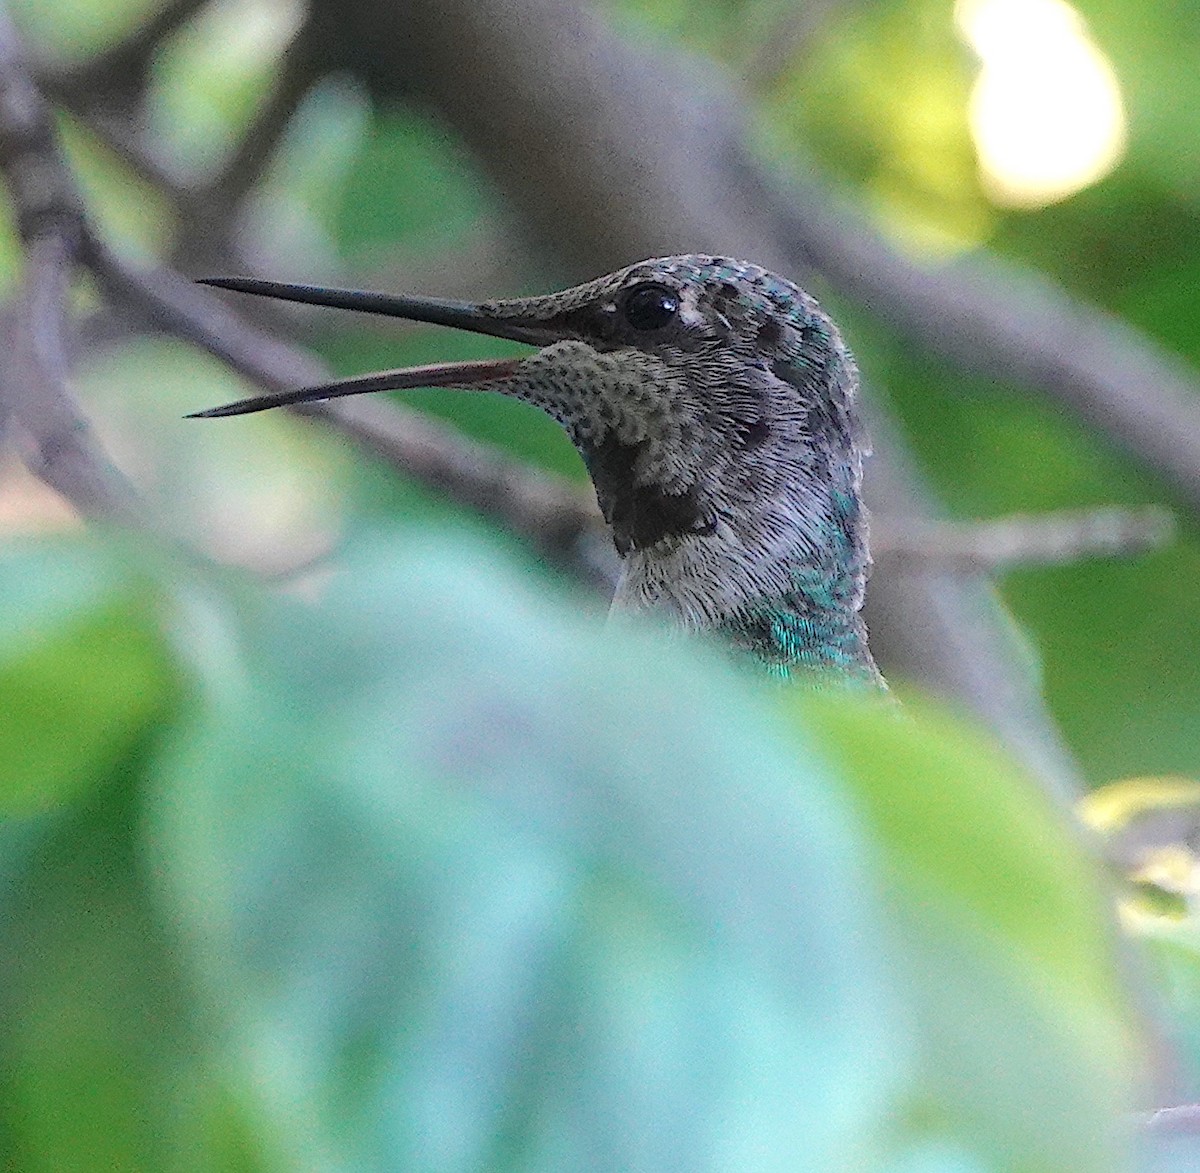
(813, 627)
(785, 588)
(746, 518)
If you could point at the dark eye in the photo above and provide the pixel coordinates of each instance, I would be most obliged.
(650, 307)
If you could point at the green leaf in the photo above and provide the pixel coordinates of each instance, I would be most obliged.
(82, 669)
(105, 1063)
(440, 201)
(476, 886)
(1004, 933)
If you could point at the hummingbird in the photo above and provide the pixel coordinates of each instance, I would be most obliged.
(713, 404)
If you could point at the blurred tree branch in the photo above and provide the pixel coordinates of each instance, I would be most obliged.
(1049, 539)
(789, 30)
(55, 439)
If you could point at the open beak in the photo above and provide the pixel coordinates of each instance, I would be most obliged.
(437, 311)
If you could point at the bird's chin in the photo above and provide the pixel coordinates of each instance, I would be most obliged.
(699, 581)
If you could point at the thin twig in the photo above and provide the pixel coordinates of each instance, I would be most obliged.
(119, 133)
(1024, 539)
(112, 114)
(178, 306)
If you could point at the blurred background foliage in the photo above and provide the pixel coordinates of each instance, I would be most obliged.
(267, 904)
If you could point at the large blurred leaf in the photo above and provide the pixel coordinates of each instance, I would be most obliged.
(1170, 1153)
(1002, 934)
(475, 888)
(102, 1064)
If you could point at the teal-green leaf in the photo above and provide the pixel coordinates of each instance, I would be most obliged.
(474, 885)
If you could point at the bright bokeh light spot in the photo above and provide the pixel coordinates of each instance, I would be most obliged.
(1046, 111)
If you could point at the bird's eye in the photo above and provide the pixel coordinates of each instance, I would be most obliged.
(650, 306)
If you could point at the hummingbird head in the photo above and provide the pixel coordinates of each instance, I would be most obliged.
(712, 403)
